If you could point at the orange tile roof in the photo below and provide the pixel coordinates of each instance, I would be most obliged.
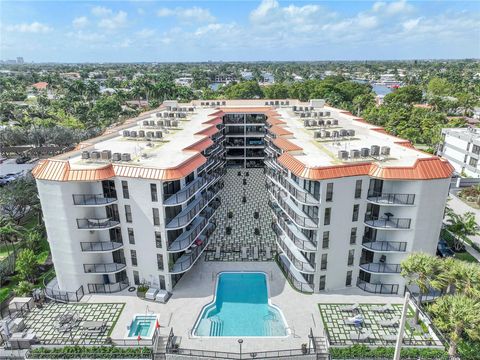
(209, 131)
(200, 145)
(423, 169)
(286, 145)
(279, 131)
(250, 109)
(275, 121)
(215, 121)
(40, 85)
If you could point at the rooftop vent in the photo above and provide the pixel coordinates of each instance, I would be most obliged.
(106, 155)
(116, 156)
(95, 155)
(375, 150)
(85, 155)
(343, 155)
(126, 157)
(385, 150)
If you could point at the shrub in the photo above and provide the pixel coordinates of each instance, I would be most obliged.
(97, 352)
(362, 351)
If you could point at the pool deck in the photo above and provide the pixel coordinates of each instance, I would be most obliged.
(196, 289)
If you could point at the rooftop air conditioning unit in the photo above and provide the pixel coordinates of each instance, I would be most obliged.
(169, 108)
(354, 154)
(133, 133)
(334, 122)
(126, 157)
(158, 134)
(151, 123)
(317, 134)
(85, 155)
(159, 114)
(145, 122)
(294, 108)
(202, 103)
(309, 114)
(364, 152)
(351, 132)
(385, 150)
(375, 150)
(343, 155)
(141, 133)
(165, 114)
(321, 123)
(175, 123)
(302, 115)
(327, 113)
(224, 103)
(94, 155)
(116, 156)
(306, 123)
(325, 134)
(167, 123)
(320, 114)
(149, 134)
(313, 122)
(126, 133)
(328, 122)
(335, 134)
(106, 154)
(343, 132)
(160, 123)
(287, 102)
(190, 109)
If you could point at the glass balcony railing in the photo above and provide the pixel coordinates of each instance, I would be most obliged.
(390, 198)
(100, 246)
(384, 246)
(294, 256)
(381, 268)
(104, 268)
(97, 224)
(290, 186)
(387, 223)
(187, 192)
(92, 199)
(294, 277)
(108, 288)
(295, 235)
(186, 261)
(378, 288)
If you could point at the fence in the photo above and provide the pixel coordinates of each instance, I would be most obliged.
(54, 293)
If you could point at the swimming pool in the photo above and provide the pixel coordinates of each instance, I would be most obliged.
(241, 308)
(143, 326)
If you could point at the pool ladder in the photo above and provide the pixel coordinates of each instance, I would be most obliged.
(216, 326)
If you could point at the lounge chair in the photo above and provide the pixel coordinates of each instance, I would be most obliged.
(389, 322)
(354, 320)
(268, 253)
(217, 252)
(244, 252)
(350, 308)
(383, 308)
(364, 336)
(255, 253)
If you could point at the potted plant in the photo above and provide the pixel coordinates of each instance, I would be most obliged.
(244, 199)
(304, 349)
(244, 181)
(257, 231)
(256, 214)
(141, 290)
(228, 230)
(230, 214)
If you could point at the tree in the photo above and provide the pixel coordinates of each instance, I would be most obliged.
(410, 94)
(457, 315)
(244, 90)
(467, 279)
(438, 87)
(462, 226)
(447, 276)
(420, 269)
(18, 198)
(26, 266)
(24, 288)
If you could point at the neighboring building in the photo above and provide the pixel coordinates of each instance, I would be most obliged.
(348, 201)
(461, 147)
(20, 60)
(40, 85)
(184, 81)
(224, 78)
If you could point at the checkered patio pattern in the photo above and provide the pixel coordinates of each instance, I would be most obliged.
(339, 333)
(41, 321)
(243, 223)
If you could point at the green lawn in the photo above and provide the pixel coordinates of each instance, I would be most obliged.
(465, 256)
(4, 250)
(5, 291)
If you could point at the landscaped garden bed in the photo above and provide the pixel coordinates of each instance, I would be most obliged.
(90, 352)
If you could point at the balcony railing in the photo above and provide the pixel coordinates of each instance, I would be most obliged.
(100, 246)
(297, 281)
(377, 288)
(381, 268)
(92, 199)
(387, 223)
(188, 237)
(104, 268)
(108, 288)
(295, 235)
(298, 260)
(187, 192)
(390, 198)
(187, 260)
(303, 221)
(97, 224)
(384, 246)
(296, 191)
(192, 210)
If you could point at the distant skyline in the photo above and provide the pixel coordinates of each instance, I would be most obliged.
(268, 30)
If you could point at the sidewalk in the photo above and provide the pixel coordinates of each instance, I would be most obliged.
(459, 207)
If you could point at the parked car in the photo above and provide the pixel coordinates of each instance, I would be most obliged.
(444, 250)
(23, 159)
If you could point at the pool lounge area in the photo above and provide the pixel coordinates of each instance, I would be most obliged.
(142, 327)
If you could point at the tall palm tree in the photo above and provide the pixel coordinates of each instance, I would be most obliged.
(447, 276)
(468, 279)
(457, 316)
(420, 269)
(462, 226)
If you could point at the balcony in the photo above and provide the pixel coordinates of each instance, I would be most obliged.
(187, 192)
(188, 259)
(384, 246)
(293, 188)
(390, 198)
(295, 278)
(387, 222)
(381, 268)
(273, 164)
(92, 200)
(296, 236)
(291, 209)
(108, 288)
(97, 224)
(110, 268)
(378, 288)
(295, 257)
(188, 237)
(191, 211)
(100, 246)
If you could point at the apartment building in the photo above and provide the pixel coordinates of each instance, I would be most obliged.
(136, 205)
(461, 147)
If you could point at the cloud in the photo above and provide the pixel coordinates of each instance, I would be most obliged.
(88, 37)
(145, 33)
(80, 22)
(113, 22)
(411, 24)
(34, 27)
(393, 8)
(101, 11)
(195, 13)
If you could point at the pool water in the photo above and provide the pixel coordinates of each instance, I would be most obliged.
(241, 308)
(142, 325)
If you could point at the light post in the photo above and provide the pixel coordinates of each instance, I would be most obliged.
(240, 342)
(401, 329)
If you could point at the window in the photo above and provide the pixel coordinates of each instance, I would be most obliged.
(160, 261)
(326, 219)
(326, 239)
(351, 256)
(476, 149)
(358, 189)
(131, 236)
(136, 277)
(353, 236)
(356, 208)
(126, 195)
(133, 255)
(348, 281)
(158, 239)
(153, 192)
(323, 280)
(323, 264)
(128, 214)
(156, 216)
(329, 195)
(473, 162)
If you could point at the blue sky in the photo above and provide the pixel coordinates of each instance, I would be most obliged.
(131, 31)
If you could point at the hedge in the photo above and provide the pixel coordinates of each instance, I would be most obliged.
(86, 352)
(362, 351)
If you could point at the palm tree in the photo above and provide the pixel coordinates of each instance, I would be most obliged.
(448, 275)
(457, 316)
(468, 279)
(420, 269)
(462, 226)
